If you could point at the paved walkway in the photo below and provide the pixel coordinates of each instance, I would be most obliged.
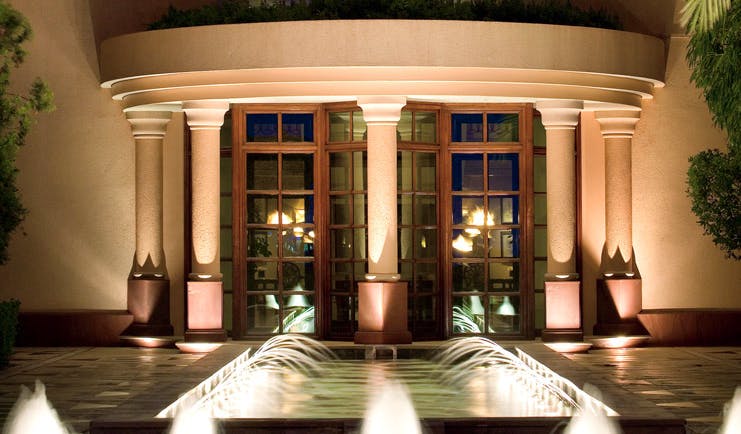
(84, 384)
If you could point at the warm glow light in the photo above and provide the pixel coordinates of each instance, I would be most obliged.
(476, 307)
(562, 276)
(148, 341)
(204, 276)
(630, 274)
(270, 302)
(609, 274)
(619, 342)
(284, 219)
(298, 232)
(197, 347)
(569, 347)
(463, 244)
(506, 308)
(477, 218)
(472, 231)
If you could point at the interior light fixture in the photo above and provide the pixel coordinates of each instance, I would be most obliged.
(506, 308)
(463, 244)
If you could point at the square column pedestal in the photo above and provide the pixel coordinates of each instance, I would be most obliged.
(563, 311)
(205, 311)
(618, 302)
(148, 300)
(382, 313)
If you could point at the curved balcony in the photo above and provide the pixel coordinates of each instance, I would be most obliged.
(462, 61)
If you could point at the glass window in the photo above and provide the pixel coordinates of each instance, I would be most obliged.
(404, 127)
(262, 172)
(467, 127)
(262, 127)
(468, 172)
(298, 172)
(538, 132)
(298, 127)
(339, 127)
(502, 127)
(504, 172)
(359, 129)
(425, 127)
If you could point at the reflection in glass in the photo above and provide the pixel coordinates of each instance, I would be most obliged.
(467, 127)
(425, 243)
(262, 243)
(468, 314)
(504, 316)
(341, 243)
(425, 210)
(404, 171)
(262, 171)
(406, 247)
(404, 209)
(298, 241)
(298, 276)
(504, 209)
(225, 175)
(339, 171)
(262, 127)
(425, 127)
(503, 276)
(468, 172)
(339, 127)
(540, 270)
(339, 210)
(426, 171)
(360, 210)
(262, 314)
(360, 244)
(341, 308)
(361, 270)
(468, 277)
(298, 172)
(298, 127)
(262, 276)
(503, 172)
(360, 171)
(299, 209)
(504, 243)
(298, 313)
(426, 276)
(424, 309)
(263, 209)
(469, 210)
(359, 129)
(342, 276)
(541, 242)
(502, 127)
(404, 127)
(405, 270)
(541, 209)
(467, 245)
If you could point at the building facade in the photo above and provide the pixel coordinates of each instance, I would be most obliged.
(254, 178)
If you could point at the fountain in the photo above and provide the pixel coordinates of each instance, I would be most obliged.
(391, 412)
(32, 414)
(732, 411)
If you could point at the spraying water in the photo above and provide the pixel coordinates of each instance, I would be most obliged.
(590, 418)
(732, 422)
(32, 414)
(391, 412)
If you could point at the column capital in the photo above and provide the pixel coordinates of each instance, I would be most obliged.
(618, 123)
(560, 114)
(382, 109)
(148, 124)
(205, 114)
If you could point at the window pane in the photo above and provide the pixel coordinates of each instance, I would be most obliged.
(467, 127)
(298, 314)
(504, 243)
(297, 242)
(226, 268)
(262, 243)
(503, 277)
(298, 127)
(404, 171)
(342, 276)
(468, 277)
(540, 269)
(404, 127)
(298, 276)
(424, 309)
(502, 127)
(538, 132)
(426, 172)
(226, 242)
(262, 172)
(504, 210)
(359, 129)
(468, 243)
(340, 243)
(262, 127)
(262, 209)
(360, 243)
(539, 173)
(504, 314)
(404, 209)
(468, 314)
(360, 270)
(425, 127)
(425, 243)
(468, 172)
(504, 173)
(425, 211)
(339, 210)
(469, 210)
(405, 243)
(541, 242)
(541, 209)
(360, 210)
(225, 207)
(426, 277)
(339, 127)
(339, 171)
(262, 314)
(298, 209)
(225, 172)
(262, 276)
(539, 311)
(360, 170)
(341, 308)
(298, 172)
(405, 271)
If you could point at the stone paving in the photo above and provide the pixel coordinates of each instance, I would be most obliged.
(85, 383)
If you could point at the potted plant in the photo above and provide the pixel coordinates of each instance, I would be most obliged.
(8, 328)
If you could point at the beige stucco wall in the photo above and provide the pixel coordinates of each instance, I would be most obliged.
(77, 177)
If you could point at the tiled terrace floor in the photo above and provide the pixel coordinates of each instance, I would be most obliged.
(84, 384)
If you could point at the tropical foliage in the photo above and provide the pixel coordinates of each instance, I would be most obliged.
(246, 11)
(714, 177)
(8, 328)
(16, 117)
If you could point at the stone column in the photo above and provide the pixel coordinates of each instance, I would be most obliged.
(148, 297)
(382, 314)
(204, 288)
(562, 282)
(619, 297)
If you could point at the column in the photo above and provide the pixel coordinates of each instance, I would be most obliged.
(619, 297)
(148, 294)
(204, 287)
(382, 313)
(562, 282)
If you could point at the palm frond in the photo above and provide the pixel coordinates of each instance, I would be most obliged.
(701, 15)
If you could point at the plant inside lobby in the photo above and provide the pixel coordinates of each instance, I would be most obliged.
(714, 176)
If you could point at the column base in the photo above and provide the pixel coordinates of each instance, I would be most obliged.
(562, 335)
(618, 302)
(382, 313)
(148, 300)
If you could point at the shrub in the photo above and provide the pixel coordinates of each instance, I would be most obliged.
(8, 328)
